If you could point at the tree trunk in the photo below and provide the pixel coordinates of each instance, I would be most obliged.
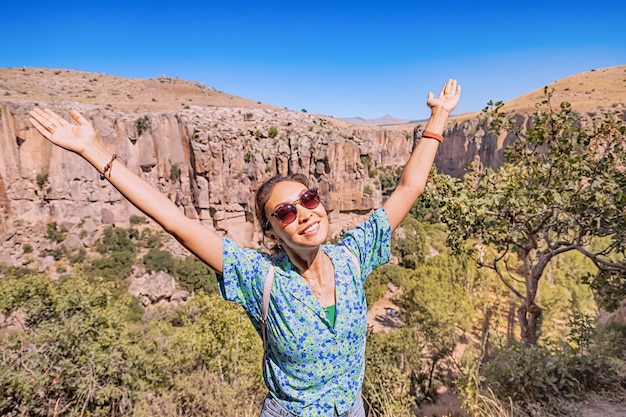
(529, 315)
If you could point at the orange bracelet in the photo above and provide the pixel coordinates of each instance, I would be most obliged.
(429, 134)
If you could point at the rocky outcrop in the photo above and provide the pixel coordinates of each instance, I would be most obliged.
(208, 160)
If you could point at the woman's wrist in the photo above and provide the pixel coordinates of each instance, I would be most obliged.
(437, 121)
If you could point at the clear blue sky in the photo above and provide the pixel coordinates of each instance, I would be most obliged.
(340, 58)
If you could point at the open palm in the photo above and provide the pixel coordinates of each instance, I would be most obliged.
(448, 97)
(75, 137)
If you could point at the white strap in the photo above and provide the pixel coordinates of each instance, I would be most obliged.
(267, 289)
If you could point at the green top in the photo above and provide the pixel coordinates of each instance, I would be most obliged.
(330, 314)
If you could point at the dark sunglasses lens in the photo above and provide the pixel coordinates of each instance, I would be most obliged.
(310, 199)
(286, 213)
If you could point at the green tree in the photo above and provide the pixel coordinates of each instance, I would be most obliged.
(159, 260)
(71, 357)
(194, 275)
(561, 189)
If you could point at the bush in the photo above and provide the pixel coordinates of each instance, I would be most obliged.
(142, 125)
(86, 351)
(136, 220)
(556, 374)
(54, 233)
(159, 260)
(175, 173)
(73, 347)
(194, 275)
(115, 239)
(42, 178)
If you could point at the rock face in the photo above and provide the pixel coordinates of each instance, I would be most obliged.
(209, 161)
(208, 157)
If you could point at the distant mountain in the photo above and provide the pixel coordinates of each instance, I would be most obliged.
(386, 120)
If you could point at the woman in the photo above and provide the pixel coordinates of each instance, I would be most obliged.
(315, 304)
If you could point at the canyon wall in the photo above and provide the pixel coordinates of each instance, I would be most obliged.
(209, 161)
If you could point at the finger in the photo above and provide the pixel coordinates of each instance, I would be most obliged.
(43, 119)
(80, 119)
(37, 113)
(54, 118)
(452, 91)
(40, 128)
(450, 86)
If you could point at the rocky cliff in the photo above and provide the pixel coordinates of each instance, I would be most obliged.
(206, 150)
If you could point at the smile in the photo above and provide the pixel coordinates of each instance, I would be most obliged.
(312, 228)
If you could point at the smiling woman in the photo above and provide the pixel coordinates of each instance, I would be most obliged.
(306, 298)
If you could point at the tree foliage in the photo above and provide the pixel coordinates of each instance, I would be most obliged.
(561, 189)
(85, 350)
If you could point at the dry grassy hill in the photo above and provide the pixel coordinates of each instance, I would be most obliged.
(598, 89)
(126, 94)
(601, 89)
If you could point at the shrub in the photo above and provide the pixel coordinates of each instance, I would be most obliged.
(42, 178)
(142, 125)
(175, 173)
(194, 275)
(556, 374)
(54, 233)
(74, 346)
(137, 220)
(273, 132)
(159, 260)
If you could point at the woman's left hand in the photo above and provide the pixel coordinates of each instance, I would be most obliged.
(448, 97)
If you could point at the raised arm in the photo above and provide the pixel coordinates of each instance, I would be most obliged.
(413, 179)
(80, 137)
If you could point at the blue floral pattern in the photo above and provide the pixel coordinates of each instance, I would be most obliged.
(312, 369)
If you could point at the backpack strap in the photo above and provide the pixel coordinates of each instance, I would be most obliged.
(267, 289)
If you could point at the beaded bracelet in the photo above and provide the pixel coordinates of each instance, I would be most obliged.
(431, 135)
(107, 167)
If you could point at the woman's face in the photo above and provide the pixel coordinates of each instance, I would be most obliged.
(310, 227)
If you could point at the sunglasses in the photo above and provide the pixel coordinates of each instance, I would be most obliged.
(287, 213)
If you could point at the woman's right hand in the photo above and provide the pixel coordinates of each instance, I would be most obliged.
(73, 137)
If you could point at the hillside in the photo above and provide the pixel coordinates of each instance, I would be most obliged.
(126, 94)
(598, 89)
(595, 90)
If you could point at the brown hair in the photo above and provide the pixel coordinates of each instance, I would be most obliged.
(265, 191)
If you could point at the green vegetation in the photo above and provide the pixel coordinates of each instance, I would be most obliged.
(142, 125)
(55, 233)
(272, 132)
(136, 220)
(175, 173)
(561, 189)
(86, 351)
(42, 179)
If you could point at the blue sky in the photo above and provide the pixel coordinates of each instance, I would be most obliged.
(339, 58)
